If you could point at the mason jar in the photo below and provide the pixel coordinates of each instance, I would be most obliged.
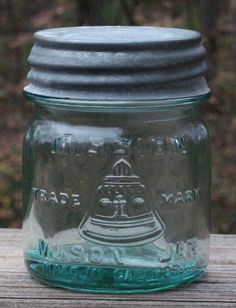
(116, 159)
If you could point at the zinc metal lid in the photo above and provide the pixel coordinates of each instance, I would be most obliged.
(117, 63)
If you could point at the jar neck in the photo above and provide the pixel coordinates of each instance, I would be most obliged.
(113, 106)
(76, 114)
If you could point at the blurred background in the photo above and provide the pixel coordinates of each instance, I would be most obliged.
(216, 19)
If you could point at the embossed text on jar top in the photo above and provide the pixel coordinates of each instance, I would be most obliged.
(116, 159)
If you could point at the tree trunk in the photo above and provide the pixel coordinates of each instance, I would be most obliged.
(233, 10)
(209, 15)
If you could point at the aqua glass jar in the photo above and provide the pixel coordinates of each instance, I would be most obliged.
(116, 159)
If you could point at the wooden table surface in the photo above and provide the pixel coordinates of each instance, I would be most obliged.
(217, 288)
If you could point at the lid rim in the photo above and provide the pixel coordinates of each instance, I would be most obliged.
(40, 36)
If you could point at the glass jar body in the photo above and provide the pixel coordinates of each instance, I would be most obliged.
(116, 202)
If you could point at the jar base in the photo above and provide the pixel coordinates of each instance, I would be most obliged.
(95, 279)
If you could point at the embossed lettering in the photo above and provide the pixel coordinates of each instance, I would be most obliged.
(178, 145)
(84, 254)
(140, 147)
(184, 249)
(188, 196)
(180, 249)
(95, 145)
(191, 247)
(167, 199)
(96, 254)
(160, 145)
(34, 192)
(77, 250)
(178, 198)
(62, 145)
(52, 198)
(43, 195)
(75, 199)
(122, 146)
(116, 255)
(64, 198)
(43, 248)
(196, 192)
(155, 146)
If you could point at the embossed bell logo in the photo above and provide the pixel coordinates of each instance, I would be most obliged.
(122, 214)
